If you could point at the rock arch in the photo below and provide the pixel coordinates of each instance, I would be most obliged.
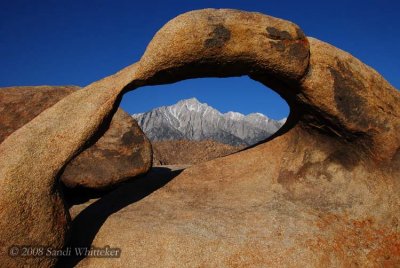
(343, 111)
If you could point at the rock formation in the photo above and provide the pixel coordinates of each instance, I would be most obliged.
(185, 152)
(121, 153)
(31, 160)
(327, 196)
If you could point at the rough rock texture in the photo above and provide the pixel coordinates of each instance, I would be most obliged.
(327, 196)
(295, 207)
(181, 152)
(32, 209)
(191, 120)
(225, 43)
(121, 153)
(19, 105)
(347, 99)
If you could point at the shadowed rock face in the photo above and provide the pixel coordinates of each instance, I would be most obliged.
(326, 196)
(122, 152)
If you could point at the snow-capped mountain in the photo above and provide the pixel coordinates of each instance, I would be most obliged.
(191, 120)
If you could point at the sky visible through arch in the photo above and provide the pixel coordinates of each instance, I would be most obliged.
(60, 42)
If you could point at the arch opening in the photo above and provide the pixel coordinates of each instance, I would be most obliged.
(196, 120)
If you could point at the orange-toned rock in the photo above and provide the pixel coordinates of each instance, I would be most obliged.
(121, 153)
(363, 107)
(32, 210)
(189, 152)
(223, 43)
(324, 191)
(287, 203)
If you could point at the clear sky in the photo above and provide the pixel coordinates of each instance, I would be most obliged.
(76, 42)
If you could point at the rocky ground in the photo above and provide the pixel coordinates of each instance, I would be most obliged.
(91, 209)
(244, 210)
(189, 152)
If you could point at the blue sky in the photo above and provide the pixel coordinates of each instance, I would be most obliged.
(63, 42)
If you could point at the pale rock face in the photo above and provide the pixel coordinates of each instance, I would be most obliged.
(192, 120)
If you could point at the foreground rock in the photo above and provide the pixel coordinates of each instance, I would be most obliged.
(328, 195)
(121, 153)
(31, 159)
(183, 152)
(295, 207)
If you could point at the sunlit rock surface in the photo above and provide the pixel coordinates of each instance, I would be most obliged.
(323, 192)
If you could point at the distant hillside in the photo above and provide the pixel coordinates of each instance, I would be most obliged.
(189, 152)
(191, 120)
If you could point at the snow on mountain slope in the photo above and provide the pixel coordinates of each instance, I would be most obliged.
(191, 120)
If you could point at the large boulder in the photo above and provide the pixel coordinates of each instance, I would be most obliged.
(121, 153)
(324, 191)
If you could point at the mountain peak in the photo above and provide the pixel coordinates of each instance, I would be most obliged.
(191, 101)
(190, 119)
(191, 104)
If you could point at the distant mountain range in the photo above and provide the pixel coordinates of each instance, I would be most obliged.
(191, 120)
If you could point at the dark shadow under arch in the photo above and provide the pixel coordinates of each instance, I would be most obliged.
(88, 222)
